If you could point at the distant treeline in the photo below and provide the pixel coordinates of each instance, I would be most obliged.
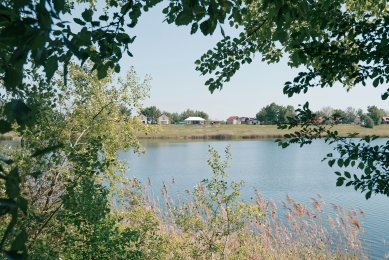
(152, 113)
(273, 114)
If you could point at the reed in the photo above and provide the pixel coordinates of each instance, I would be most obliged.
(212, 222)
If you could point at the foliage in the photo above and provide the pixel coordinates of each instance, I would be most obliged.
(273, 114)
(350, 115)
(339, 116)
(375, 114)
(216, 212)
(174, 117)
(152, 113)
(212, 222)
(337, 41)
(36, 39)
(189, 112)
(66, 170)
(179, 117)
(368, 160)
(366, 121)
(333, 42)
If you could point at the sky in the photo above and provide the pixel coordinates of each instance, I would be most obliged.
(167, 53)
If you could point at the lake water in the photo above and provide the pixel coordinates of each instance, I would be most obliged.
(263, 165)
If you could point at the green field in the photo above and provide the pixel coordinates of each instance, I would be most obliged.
(246, 131)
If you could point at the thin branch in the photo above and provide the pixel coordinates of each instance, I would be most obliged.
(46, 222)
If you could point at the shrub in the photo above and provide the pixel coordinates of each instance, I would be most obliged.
(367, 121)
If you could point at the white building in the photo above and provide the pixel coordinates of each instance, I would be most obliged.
(194, 120)
(163, 120)
(143, 119)
(233, 120)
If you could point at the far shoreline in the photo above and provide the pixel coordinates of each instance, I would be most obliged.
(244, 132)
(187, 133)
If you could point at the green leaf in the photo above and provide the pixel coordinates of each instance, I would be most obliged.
(12, 78)
(7, 204)
(44, 17)
(184, 18)
(347, 174)
(19, 243)
(206, 27)
(101, 72)
(222, 32)
(376, 82)
(95, 23)
(331, 162)
(103, 17)
(340, 181)
(5, 126)
(20, 3)
(46, 150)
(284, 145)
(195, 27)
(17, 110)
(87, 15)
(361, 165)
(23, 204)
(12, 184)
(79, 21)
(59, 5)
(368, 195)
(340, 162)
(51, 66)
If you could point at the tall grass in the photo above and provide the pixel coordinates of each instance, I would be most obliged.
(212, 222)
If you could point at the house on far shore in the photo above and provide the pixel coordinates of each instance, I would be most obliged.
(194, 120)
(216, 122)
(317, 120)
(251, 121)
(233, 120)
(385, 120)
(143, 119)
(163, 120)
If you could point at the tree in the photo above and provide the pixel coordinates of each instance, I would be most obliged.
(366, 121)
(273, 114)
(152, 113)
(290, 113)
(326, 112)
(68, 168)
(375, 114)
(339, 115)
(336, 42)
(188, 113)
(350, 115)
(174, 117)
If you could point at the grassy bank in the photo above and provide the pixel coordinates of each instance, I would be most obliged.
(221, 132)
(8, 137)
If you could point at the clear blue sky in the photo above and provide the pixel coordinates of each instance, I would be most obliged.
(168, 52)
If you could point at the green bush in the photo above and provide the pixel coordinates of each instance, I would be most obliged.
(367, 121)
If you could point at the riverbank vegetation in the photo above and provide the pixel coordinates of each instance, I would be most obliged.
(225, 132)
(76, 202)
(87, 219)
(63, 193)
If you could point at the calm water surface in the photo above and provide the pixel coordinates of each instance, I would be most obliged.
(263, 165)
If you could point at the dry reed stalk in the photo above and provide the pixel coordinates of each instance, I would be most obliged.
(300, 232)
